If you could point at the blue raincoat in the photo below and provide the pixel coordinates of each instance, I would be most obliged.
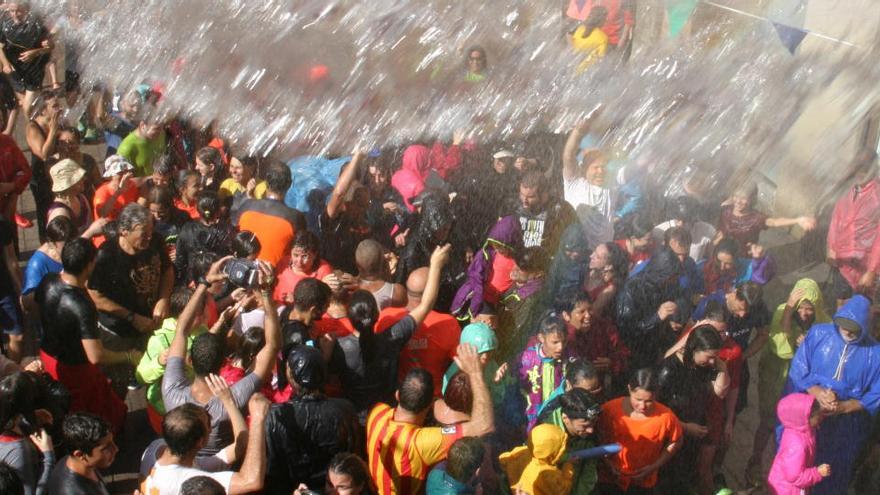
(852, 371)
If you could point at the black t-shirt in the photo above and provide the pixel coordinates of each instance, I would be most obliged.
(7, 235)
(65, 481)
(21, 37)
(340, 237)
(132, 281)
(68, 316)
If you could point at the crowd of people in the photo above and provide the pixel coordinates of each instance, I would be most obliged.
(447, 317)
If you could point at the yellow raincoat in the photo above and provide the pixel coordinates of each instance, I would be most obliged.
(533, 469)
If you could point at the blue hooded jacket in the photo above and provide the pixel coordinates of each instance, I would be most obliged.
(852, 371)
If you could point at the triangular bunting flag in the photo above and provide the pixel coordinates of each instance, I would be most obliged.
(791, 37)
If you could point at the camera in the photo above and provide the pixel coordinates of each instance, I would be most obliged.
(242, 272)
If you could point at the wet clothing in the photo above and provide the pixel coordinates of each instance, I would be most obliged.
(566, 276)
(28, 34)
(195, 237)
(601, 340)
(637, 303)
(776, 356)
(534, 468)
(743, 229)
(22, 456)
(142, 152)
(65, 481)
(544, 229)
(274, 223)
(150, 372)
(440, 483)
(852, 233)
(793, 471)
(39, 265)
(538, 377)
(303, 435)
(132, 281)
(852, 371)
(470, 297)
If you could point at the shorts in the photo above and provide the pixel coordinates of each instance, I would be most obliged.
(840, 288)
(10, 316)
(29, 77)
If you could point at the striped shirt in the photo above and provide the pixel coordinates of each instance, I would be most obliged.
(401, 454)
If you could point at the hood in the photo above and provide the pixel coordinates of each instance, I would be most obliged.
(794, 411)
(857, 309)
(547, 443)
(813, 294)
(663, 266)
(417, 159)
(574, 239)
(436, 214)
(506, 232)
(480, 336)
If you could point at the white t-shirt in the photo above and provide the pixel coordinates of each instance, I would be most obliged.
(580, 192)
(701, 237)
(166, 480)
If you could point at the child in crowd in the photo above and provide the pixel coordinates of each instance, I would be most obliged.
(542, 366)
(793, 472)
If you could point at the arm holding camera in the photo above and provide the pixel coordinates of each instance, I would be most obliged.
(193, 308)
(265, 360)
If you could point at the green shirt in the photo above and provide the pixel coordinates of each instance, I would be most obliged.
(142, 152)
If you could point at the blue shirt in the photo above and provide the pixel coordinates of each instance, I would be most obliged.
(38, 267)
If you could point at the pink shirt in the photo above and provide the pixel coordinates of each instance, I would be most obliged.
(852, 234)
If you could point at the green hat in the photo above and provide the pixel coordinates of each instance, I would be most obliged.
(480, 336)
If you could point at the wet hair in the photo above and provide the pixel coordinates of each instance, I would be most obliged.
(618, 258)
(416, 390)
(729, 246)
(77, 254)
(459, 396)
(208, 354)
(208, 205)
(577, 403)
(183, 177)
(552, 323)
(200, 263)
(702, 338)
(183, 428)
(310, 292)
(351, 465)
(464, 458)
(307, 241)
(363, 313)
(133, 214)
(162, 196)
(531, 259)
(249, 346)
(714, 311)
(749, 190)
(278, 178)
(84, 431)
(680, 235)
(245, 244)
(202, 485)
(580, 369)
(567, 304)
(638, 226)
(18, 399)
(210, 156)
(645, 379)
(534, 180)
(750, 293)
(10, 481)
(179, 297)
(164, 165)
(60, 229)
(369, 257)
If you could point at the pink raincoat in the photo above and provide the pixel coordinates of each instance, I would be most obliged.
(410, 179)
(853, 231)
(793, 472)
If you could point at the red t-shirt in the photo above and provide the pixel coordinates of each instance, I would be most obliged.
(190, 210)
(499, 281)
(431, 347)
(287, 278)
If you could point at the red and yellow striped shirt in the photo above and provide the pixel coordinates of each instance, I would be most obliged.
(401, 454)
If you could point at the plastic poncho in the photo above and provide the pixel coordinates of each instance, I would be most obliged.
(793, 468)
(565, 276)
(777, 355)
(532, 469)
(853, 232)
(310, 173)
(149, 372)
(468, 299)
(410, 179)
(852, 371)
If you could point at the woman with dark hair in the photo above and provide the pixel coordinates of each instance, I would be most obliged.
(648, 432)
(303, 262)
(369, 374)
(21, 432)
(167, 218)
(188, 187)
(609, 268)
(47, 258)
(209, 165)
(688, 378)
(637, 239)
(207, 234)
(346, 474)
(741, 222)
(245, 245)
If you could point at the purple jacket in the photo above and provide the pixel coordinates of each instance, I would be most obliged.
(538, 377)
(469, 299)
(793, 472)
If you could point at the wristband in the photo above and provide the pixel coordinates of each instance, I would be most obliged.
(203, 281)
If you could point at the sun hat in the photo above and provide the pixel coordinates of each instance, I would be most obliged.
(115, 164)
(65, 174)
